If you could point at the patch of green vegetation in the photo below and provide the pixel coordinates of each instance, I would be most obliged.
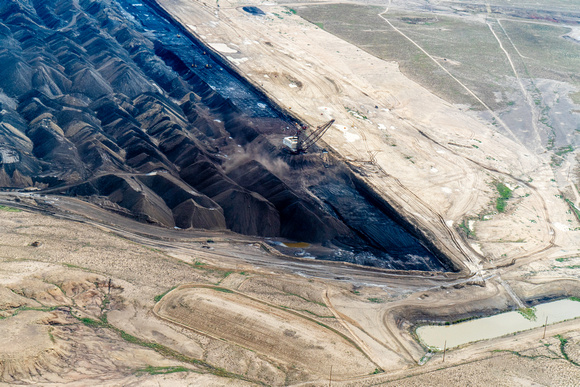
(305, 311)
(305, 299)
(573, 208)
(465, 228)
(475, 317)
(519, 354)
(51, 336)
(24, 308)
(504, 195)
(356, 114)
(563, 342)
(168, 352)
(562, 259)
(376, 300)
(565, 149)
(376, 371)
(93, 323)
(319, 25)
(9, 209)
(573, 267)
(223, 290)
(573, 298)
(151, 370)
(557, 157)
(158, 297)
(528, 313)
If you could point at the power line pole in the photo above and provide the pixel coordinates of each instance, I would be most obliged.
(330, 378)
(444, 350)
(545, 326)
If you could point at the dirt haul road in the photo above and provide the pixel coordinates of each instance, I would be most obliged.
(84, 284)
(433, 161)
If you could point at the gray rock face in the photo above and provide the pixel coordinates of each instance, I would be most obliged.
(92, 107)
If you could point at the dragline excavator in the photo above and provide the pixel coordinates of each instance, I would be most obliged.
(300, 142)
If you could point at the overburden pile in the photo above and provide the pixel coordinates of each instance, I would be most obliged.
(93, 105)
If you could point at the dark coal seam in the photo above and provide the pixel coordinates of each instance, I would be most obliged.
(386, 208)
(161, 12)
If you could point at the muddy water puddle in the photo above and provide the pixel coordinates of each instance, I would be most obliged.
(498, 325)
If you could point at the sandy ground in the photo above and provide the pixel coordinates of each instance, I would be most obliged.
(434, 161)
(62, 323)
(87, 291)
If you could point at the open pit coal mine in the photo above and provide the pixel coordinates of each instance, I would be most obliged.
(112, 102)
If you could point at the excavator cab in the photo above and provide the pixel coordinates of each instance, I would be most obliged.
(299, 143)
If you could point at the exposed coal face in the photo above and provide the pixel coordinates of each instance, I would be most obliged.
(123, 112)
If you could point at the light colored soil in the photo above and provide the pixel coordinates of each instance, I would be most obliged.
(272, 331)
(377, 319)
(433, 161)
(434, 174)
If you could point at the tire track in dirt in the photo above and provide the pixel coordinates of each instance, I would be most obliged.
(497, 118)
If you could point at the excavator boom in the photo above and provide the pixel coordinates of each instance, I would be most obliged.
(298, 144)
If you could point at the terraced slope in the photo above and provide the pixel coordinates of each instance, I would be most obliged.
(96, 105)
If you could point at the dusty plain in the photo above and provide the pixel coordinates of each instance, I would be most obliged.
(92, 298)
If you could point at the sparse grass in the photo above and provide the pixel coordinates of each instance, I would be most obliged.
(465, 228)
(573, 208)
(151, 370)
(161, 349)
(9, 209)
(482, 67)
(504, 195)
(223, 290)
(562, 259)
(376, 300)
(528, 313)
(356, 114)
(158, 297)
(563, 342)
(93, 323)
(305, 311)
(50, 335)
(306, 299)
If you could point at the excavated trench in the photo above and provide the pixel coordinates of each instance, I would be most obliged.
(113, 102)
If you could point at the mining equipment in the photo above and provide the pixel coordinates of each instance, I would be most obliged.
(300, 142)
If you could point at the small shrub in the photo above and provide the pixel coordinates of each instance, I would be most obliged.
(528, 313)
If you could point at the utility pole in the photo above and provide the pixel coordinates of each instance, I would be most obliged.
(330, 378)
(545, 326)
(444, 350)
